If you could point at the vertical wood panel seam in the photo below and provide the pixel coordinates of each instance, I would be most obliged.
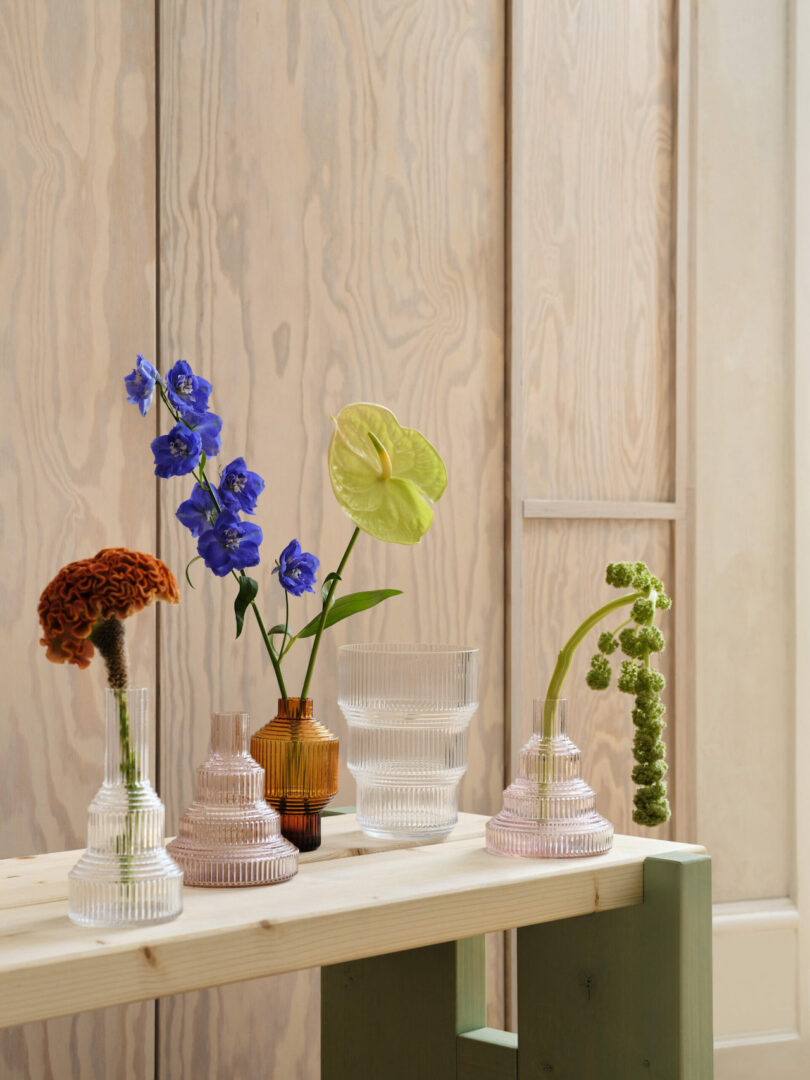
(684, 741)
(513, 673)
(158, 521)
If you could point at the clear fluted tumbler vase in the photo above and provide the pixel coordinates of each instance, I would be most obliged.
(548, 810)
(408, 708)
(230, 836)
(126, 877)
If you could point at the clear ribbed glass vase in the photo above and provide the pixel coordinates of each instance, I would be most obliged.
(408, 708)
(126, 877)
(548, 810)
(229, 836)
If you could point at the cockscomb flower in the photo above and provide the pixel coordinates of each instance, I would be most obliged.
(140, 384)
(296, 569)
(187, 390)
(76, 608)
(240, 488)
(177, 453)
(230, 545)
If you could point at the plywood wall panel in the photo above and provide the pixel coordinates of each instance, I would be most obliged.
(564, 579)
(744, 450)
(331, 230)
(593, 203)
(77, 210)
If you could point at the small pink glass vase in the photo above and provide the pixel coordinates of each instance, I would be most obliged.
(548, 810)
(230, 836)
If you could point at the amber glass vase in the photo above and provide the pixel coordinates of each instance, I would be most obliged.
(300, 761)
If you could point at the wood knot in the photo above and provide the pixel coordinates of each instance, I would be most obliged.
(149, 956)
(265, 924)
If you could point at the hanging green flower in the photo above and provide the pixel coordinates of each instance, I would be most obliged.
(383, 475)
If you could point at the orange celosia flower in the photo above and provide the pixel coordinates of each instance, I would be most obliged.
(113, 584)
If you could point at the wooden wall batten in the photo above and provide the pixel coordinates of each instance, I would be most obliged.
(77, 259)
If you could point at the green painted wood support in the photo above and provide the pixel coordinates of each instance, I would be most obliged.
(335, 811)
(626, 994)
(486, 1054)
(396, 1017)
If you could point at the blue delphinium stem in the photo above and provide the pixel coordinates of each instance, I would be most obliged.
(326, 605)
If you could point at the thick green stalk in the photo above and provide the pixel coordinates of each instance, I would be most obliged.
(567, 655)
(326, 605)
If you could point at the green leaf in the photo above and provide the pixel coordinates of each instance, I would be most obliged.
(247, 594)
(327, 585)
(348, 605)
(191, 563)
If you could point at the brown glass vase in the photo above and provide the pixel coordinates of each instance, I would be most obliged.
(300, 761)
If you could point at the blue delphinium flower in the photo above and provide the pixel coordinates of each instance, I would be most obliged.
(176, 453)
(140, 384)
(239, 487)
(230, 545)
(187, 390)
(296, 569)
(208, 426)
(199, 512)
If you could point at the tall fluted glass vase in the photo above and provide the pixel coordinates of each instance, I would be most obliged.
(126, 877)
(299, 756)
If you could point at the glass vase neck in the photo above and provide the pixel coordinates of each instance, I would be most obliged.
(126, 759)
(230, 733)
(295, 708)
(550, 717)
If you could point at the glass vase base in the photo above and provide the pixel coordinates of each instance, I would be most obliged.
(406, 833)
(231, 868)
(98, 894)
(303, 830)
(549, 840)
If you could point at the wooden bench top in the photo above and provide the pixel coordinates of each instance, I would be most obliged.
(353, 897)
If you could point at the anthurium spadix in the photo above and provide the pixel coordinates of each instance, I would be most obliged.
(384, 475)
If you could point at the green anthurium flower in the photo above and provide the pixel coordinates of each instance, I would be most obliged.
(382, 474)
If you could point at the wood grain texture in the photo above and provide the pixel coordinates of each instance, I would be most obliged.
(594, 200)
(332, 230)
(77, 191)
(331, 912)
(744, 451)
(565, 581)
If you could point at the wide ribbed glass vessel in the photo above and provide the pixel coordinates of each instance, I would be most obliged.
(408, 708)
(230, 836)
(300, 758)
(126, 877)
(548, 810)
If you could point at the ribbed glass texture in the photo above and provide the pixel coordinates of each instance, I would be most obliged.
(126, 877)
(229, 836)
(300, 758)
(408, 708)
(548, 810)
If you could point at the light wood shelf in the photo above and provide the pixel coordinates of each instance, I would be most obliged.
(354, 897)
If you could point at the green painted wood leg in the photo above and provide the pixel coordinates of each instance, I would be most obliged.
(396, 1017)
(623, 994)
(486, 1054)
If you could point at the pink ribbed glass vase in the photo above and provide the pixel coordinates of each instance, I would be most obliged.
(548, 810)
(230, 836)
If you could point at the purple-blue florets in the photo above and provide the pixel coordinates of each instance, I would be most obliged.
(296, 569)
(187, 391)
(239, 488)
(198, 513)
(140, 384)
(230, 545)
(176, 453)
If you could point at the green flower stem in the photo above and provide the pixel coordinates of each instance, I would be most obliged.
(129, 774)
(567, 655)
(271, 652)
(326, 605)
